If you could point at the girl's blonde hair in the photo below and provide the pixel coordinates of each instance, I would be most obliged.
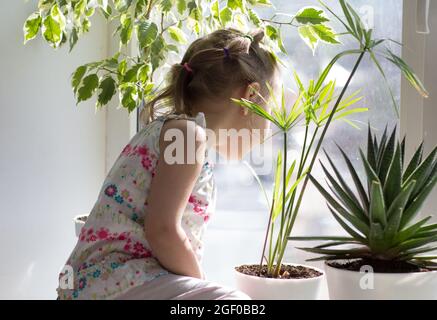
(211, 68)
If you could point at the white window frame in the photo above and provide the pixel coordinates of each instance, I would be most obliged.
(411, 115)
(418, 115)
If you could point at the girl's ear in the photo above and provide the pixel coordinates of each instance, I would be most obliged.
(252, 91)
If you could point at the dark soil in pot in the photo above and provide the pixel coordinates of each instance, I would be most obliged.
(286, 272)
(379, 266)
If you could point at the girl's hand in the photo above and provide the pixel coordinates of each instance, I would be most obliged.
(168, 198)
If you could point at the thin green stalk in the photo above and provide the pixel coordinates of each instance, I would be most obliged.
(309, 148)
(284, 240)
(267, 234)
(305, 152)
(319, 144)
(278, 245)
(270, 248)
(284, 185)
(303, 149)
(275, 250)
(283, 223)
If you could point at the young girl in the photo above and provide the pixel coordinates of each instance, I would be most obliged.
(143, 238)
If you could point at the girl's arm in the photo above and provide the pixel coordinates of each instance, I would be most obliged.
(169, 193)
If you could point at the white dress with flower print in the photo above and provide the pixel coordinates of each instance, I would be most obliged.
(112, 254)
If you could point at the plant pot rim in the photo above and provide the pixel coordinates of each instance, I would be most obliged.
(322, 273)
(388, 274)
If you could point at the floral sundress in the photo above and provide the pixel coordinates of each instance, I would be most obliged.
(112, 255)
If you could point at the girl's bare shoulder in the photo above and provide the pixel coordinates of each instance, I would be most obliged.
(186, 128)
(190, 136)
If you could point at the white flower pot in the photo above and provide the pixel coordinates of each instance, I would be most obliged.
(280, 289)
(354, 285)
(78, 224)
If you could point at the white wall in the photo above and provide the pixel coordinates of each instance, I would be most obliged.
(52, 156)
(121, 125)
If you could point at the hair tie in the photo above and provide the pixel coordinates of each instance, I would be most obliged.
(226, 51)
(248, 36)
(187, 67)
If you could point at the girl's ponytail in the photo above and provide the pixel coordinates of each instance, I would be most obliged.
(183, 73)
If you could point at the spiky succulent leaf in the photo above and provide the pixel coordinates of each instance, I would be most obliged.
(422, 173)
(342, 182)
(411, 231)
(376, 238)
(381, 145)
(386, 157)
(371, 155)
(416, 204)
(412, 254)
(403, 152)
(347, 228)
(392, 186)
(344, 197)
(401, 200)
(359, 186)
(356, 222)
(414, 162)
(377, 211)
(393, 225)
(370, 172)
(415, 243)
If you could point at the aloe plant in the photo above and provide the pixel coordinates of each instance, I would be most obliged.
(379, 215)
(320, 107)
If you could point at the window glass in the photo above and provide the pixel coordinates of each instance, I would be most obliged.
(237, 230)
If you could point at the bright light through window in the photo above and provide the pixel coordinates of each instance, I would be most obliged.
(237, 231)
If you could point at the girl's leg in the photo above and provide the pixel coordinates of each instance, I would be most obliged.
(175, 287)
